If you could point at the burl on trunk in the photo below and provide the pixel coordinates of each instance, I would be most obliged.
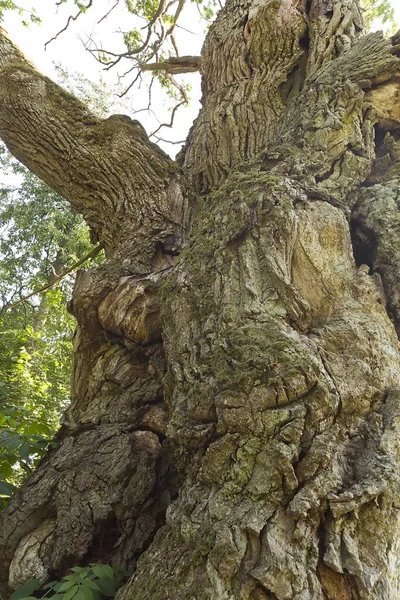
(234, 427)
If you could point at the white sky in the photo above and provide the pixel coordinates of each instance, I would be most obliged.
(69, 51)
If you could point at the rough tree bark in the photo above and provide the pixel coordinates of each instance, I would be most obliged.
(234, 428)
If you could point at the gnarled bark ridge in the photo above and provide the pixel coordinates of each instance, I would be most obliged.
(234, 425)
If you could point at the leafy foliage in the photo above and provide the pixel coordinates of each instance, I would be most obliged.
(83, 583)
(27, 16)
(39, 237)
(20, 451)
(99, 97)
(381, 10)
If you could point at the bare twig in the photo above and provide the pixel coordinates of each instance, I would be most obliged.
(138, 76)
(70, 18)
(171, 123)
(160, 139)
(119, 56)
(119, 77)
(110, 11)
(187, 30)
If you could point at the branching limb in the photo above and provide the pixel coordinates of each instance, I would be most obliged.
(69, 21)
(108, 13)
(171, 122)
(107, 169)
(57, 278)
(175, 65)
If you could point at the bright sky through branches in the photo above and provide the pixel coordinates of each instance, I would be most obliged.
(68, 50)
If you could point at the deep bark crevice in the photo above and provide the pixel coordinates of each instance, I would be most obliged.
(104, 539)
(364, 245)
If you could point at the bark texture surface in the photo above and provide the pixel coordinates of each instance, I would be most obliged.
(234, 430)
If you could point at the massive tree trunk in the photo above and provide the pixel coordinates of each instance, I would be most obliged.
(234, 427)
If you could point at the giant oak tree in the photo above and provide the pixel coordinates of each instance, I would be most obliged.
(234, 427)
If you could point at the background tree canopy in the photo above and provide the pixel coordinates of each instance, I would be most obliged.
(43, 242)
(41, 238)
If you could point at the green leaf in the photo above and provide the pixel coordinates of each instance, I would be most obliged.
(49, 585)
(66, 585)
(71, 577)
(11, 442)
(125, 573)
(91, 584)
(25, 591)
(79, 570)
(24, 450)
(6, 469)
(71, 593)
(6, 489)
(90, 594)
(103, 571)
(108, 587)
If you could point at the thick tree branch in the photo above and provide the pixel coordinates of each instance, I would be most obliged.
(334, 26)
(175, 65)
(107, 169)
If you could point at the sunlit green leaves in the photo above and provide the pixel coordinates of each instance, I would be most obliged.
(27, 16)
(6, 489)
(7, 5)
(39, 237)
(133, 40)
(146, 8)
(24, 440)
(381, 11)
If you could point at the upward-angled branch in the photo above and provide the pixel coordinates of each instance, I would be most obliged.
(128, 190)
(175, 65)
(54, 279)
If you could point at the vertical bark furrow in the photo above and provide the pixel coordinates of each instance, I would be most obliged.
(376, 233)
(249, 53)
(335, 25)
